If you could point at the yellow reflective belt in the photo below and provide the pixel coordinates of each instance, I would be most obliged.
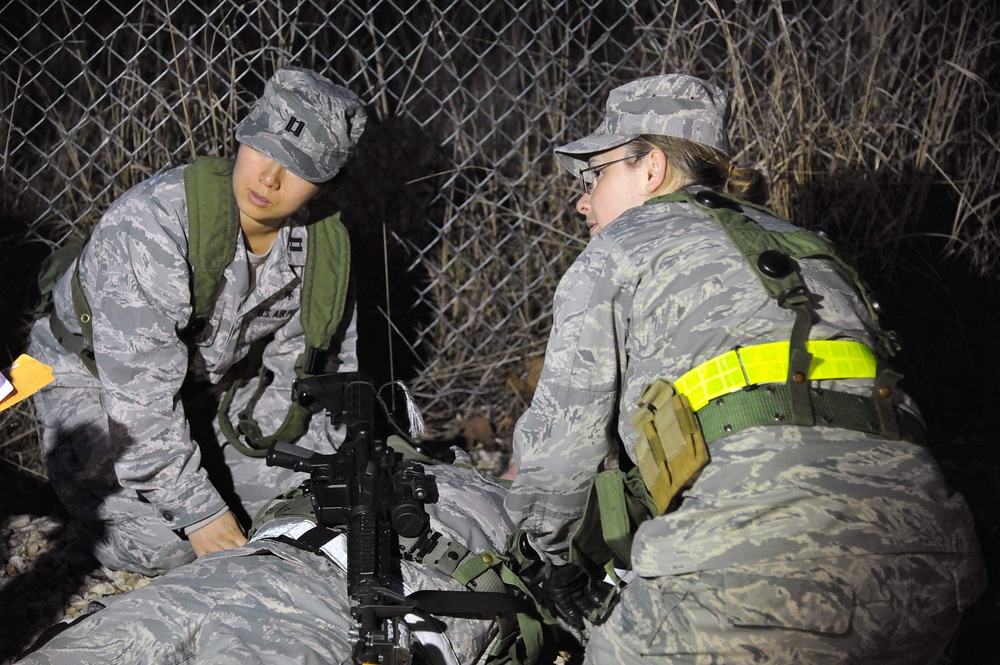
(768, 363)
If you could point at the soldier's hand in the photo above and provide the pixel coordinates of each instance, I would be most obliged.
(222, 533)
(569, 593)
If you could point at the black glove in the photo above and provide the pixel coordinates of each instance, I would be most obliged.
(569, 593)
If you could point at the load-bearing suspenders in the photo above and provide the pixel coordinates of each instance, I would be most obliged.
(771, 255)
(766, 384)
(214, 229)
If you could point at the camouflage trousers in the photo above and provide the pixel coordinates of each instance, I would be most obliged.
(266, 603)
(896, 609)
(130, 534)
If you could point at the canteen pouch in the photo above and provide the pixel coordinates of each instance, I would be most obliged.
(670, 452)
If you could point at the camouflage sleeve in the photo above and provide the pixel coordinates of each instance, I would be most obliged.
(135, 277)
(567, 432)
(469, 509)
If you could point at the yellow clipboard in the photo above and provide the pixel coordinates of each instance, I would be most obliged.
(27, 376)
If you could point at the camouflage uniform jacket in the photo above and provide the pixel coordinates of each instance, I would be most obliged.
(657, 292)
(135, 276)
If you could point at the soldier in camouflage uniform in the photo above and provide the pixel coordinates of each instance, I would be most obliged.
(119, 447)
(272, 602)
(796, 544)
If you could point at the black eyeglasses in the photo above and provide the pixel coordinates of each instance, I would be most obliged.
(589, 175)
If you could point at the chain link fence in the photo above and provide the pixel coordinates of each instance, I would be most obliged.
(876, 119)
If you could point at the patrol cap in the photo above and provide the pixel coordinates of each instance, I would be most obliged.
(669, 105)
(305, 122)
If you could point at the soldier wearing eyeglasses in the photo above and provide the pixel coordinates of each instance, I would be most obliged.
(736, 364)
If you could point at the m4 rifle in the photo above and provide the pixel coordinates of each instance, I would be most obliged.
(365, 489)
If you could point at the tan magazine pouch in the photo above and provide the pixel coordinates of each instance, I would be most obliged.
(671, 450)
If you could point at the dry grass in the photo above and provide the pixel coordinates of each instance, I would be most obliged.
(882, 139)
(20, 440)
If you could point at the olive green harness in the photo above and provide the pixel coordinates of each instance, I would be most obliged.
(620, 500)
(214, 231)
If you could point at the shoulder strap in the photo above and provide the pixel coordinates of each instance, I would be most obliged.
(53, 268)
(325, 285)
(214, 234)
(213, 229)
(760, 247)
(86, 319)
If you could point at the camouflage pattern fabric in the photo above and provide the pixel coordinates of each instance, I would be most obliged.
(670, 105)
(655, 293)
(896, 609)
(305, 122)
(270, 602)
(120, 449)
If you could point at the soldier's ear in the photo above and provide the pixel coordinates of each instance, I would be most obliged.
(655, 166)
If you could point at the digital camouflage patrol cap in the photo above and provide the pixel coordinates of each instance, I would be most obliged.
(669, 105)
(305, 122)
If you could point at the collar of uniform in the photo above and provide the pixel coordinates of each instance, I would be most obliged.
(293, 239)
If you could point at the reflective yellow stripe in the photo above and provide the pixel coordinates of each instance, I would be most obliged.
(768, 363)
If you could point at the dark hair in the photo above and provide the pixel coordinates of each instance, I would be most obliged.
(707, 166)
